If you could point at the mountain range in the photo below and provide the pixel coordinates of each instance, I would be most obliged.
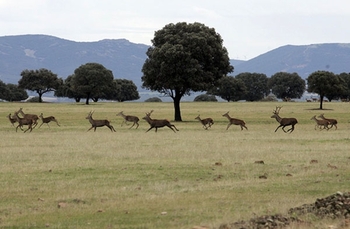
(126, 59)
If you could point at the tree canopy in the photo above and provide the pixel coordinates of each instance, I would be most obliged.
(92, 81)
(229, 89)
(184, 58)
(346, 77)
(125, 90)
(286, 85)
(325, 83)
(41, 81)
(256, 84)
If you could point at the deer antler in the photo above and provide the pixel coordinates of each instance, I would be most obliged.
(149, 114)
(277, 110)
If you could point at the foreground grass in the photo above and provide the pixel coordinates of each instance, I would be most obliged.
(65, 177)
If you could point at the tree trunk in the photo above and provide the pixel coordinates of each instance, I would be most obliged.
(177, 108)
(321, 102)
(87, 99)
(40, 97)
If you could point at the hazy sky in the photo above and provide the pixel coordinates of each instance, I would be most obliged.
(248, 27)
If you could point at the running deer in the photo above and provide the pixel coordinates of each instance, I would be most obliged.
(332, 122)
(205, 122)
(24, 121)
(158, 123)
(320, 123)
(284, 121)
(47, 120)
(98, 123)
(34, 117)
(234, 121)
(12, 119)
(129, 118)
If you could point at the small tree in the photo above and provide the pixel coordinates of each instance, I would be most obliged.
(205, 98)
(184, 58)
(125, 90)
(287, 85)
(323, 83)
(41, 81)
(93, 80)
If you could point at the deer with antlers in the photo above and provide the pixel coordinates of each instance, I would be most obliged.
(284, 121)
(205, 122)
(158, 123)
(34, 117)
(320, 123)
(234, 121)
(98, 123)
(23, 122)
(47, 120)
(129, 118)
(332, 122)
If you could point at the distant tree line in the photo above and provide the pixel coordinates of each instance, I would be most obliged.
(91, 81)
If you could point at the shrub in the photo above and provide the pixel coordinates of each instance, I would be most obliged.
(153, 99)
(205, 98)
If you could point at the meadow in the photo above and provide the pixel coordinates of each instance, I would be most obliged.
(66, 177)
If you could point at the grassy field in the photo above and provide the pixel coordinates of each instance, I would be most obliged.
(66, 177)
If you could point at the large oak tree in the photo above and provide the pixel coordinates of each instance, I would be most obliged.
(41, 81)
(325, 83)
(184, 58)
(93, 81)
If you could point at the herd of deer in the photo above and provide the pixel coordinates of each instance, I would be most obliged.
(31, 120)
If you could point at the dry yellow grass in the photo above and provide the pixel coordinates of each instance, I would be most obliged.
(65, 177)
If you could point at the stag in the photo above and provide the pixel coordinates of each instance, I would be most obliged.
(205, 122)
(332, 122)
(320, 123)
(34, 117)
(129, 118)
(234, 121)
(284, 121)
(98, 123)
(158, 123)
(24, 121)
(47, 120)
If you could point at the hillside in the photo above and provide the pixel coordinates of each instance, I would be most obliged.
(125, 58)
(303, 59)
(62, 57)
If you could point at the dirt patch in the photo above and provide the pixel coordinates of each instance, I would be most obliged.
(336, 206)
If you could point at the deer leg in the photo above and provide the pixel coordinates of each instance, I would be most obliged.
(90, 128)
(137, 125)
(149, 129)
(228, 126)
(132, 125)
(278, 127)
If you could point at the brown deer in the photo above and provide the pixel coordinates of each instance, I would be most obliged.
(34, 117)
(234, 121)
(320, 123)
(158, 123)
(284, 121)
(24, 121)
(98, 123)
(129, 118)
(47, 120)
(332, 122)
(205, 122)
(12, 119)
